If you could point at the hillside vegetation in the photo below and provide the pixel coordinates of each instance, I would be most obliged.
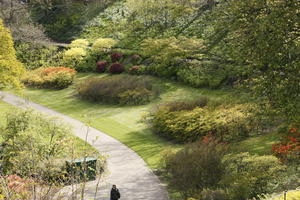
(205, 91)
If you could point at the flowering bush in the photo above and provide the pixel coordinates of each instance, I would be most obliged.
(289, 148)
(116, 68)
(116, 57)
(101, 66)
(51, 77)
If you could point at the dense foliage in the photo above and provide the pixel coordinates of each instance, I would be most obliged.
(40, 139)
(202, 170)
(196, 167)
(10, 68)
(51, 77)
(34, 55)
(289, 149)
(264, 36)
(124, 90)
(187, 122)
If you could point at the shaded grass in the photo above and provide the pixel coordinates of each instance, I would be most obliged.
(260, 145)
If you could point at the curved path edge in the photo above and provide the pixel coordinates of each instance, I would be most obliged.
(126, 169)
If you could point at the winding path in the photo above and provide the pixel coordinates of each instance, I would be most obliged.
(125, 168)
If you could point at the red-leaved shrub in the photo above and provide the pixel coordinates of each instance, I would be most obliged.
(289, 148)
(116, 57)
(116, 68)
(101, 66)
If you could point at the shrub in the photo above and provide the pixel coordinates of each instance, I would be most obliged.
(39, 138)
(103, 45)
(34, 55)
(74, 56)
(196, 167)
(116, 57)
(51, 77)
(248, 176)
(228, 124)
(116, 68)
(101, 66)
(11, 69)
(122, 89)
(166, 53)
(79, 43)
(289, 149)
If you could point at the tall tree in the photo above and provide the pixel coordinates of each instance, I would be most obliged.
(10, 68)
(265, 36)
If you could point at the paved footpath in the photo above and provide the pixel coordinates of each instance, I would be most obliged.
(125, 168)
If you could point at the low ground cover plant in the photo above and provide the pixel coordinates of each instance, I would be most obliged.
(51, 77)
(122, 89)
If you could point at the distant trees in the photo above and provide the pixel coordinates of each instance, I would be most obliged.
(16, 16)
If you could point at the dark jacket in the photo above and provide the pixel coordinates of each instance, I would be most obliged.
(114, 194)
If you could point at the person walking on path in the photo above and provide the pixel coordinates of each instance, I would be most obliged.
(114, 193)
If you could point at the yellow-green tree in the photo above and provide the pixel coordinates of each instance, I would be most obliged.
(10, 68)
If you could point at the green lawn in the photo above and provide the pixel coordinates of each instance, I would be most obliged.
(260, 145)
(127, 123)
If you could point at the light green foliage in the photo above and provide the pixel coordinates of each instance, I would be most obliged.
(31, 142)
(166, 53)
(34, 55)
(36, 146)
(10, 68)
(264, 35)
(165, 13)
(74, 56)
(248, 176)
(227, 123)
(79, 43)
(103, 45)
(52, 77)
(292, 195)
